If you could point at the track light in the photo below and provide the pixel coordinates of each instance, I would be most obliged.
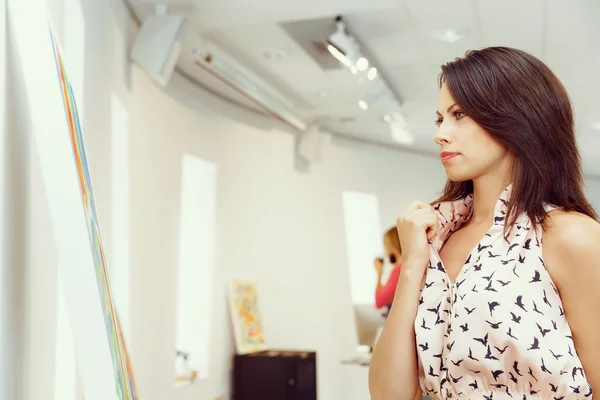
(345, 48)
(372, 73)
(341, 57)
(362, 64)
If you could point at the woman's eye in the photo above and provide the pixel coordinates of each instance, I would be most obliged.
(459, 114)
(437, 122)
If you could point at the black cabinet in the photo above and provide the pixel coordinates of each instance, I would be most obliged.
(275, 375)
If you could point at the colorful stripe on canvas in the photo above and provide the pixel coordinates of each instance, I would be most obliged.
(124, 377)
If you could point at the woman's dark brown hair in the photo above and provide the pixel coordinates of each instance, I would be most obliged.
(519, 101)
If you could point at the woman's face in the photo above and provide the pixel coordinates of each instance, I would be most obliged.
(392, 253)
(466, 150)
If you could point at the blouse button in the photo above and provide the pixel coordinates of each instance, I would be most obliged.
(449, 346)
(449, 394)
(449, 299)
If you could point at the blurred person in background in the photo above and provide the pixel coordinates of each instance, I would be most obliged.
(384, 293)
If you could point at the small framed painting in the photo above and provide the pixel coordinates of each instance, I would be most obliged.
(246, 317)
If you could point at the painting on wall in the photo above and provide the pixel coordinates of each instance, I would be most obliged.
(246, 317)
(125, 386)
(51, 123)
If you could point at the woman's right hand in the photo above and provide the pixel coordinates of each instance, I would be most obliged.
(378, 264)
(415, 229)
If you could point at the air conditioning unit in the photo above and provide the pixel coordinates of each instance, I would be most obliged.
(229, 70)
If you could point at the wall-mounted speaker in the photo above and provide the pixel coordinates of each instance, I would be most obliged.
(313, 143)
(158, 45)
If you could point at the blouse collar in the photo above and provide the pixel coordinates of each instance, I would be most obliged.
(454, 214)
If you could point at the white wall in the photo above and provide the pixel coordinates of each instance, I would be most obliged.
(275, 224)
(592, 190)
(13, 200)
(279, 226)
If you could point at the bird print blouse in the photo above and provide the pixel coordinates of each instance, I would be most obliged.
(499, 331)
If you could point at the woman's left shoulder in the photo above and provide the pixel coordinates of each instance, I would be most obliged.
(571, 231)
(571, 250)
(571, 242)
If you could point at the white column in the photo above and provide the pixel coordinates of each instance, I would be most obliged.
(6, 335)
(14, 156)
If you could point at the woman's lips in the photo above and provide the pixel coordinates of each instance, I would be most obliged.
(446, 156)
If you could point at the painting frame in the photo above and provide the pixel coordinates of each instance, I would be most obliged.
(246, 316)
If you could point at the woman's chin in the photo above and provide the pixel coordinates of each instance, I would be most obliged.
(457, 176)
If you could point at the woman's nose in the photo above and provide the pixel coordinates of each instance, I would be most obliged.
(443, 134)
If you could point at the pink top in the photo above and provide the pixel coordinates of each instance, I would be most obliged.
(385, 294)
(499, 332)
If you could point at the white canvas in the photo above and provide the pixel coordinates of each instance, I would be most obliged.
(52, 145)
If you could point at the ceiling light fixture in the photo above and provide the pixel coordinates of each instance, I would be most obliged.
(451, 35)
(399, 129)
(362, 64)
(341, 57)
(343, 43)
(372, 74)
(402, 136)
(344, 47)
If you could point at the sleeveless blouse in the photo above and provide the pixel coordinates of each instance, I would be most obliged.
(499, 331)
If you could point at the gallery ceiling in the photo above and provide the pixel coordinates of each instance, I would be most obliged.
(284, 43)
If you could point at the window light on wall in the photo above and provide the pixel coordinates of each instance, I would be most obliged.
(362, 224)
(195, 269)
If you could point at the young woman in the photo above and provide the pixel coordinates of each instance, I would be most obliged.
(384, 293)
(487, 310)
